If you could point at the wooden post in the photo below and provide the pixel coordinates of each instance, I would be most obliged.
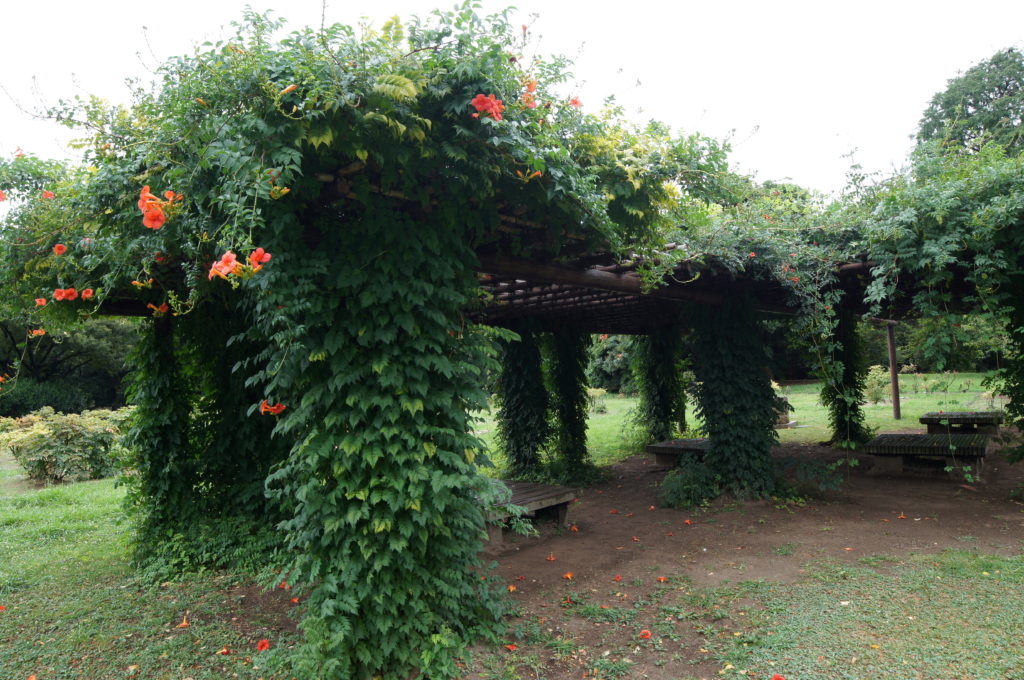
(890, 329)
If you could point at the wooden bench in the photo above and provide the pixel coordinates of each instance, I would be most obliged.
(950, 448)
(539, 500)
(669, 452)
(962, 422)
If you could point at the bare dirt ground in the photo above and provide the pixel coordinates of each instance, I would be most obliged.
(623, 531)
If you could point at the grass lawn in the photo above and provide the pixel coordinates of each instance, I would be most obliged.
(73, 608)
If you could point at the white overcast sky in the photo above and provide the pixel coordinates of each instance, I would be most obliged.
(797, 86)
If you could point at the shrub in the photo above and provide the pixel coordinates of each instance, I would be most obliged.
(54, 447)
(596, 398)
(28, 395)
(692, 485)
(876, 382)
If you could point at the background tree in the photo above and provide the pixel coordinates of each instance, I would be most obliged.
(984, 104)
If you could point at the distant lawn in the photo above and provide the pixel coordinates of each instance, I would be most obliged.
(610, 438)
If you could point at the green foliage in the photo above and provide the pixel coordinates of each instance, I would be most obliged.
(691, 485)
(570, 405)
(658, 369)
(609, 366)
(25, 395)
(986, 103)
(735, 397)
(842, 391)
(54, 447)
(522, 396)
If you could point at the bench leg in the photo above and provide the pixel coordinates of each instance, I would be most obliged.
(495, 534)
(666, 459)
(562, 514)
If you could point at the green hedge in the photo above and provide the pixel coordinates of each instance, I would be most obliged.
(28, 395)
(54, 447)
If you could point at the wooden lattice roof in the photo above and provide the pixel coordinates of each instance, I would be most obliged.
(608, 297)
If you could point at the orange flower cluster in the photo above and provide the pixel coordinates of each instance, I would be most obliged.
(275, 410)
(65, 294)
(228, 264)
(153, 209)
(60, 249)
(487, 105)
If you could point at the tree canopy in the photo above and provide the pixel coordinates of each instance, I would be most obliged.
(984, 104)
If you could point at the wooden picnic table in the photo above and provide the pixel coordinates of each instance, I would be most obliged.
(953, 449)
(962, 422)
(539, 500)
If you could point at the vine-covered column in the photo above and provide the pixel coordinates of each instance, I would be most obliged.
(1012, 374)
(735, 397)
(843, 388)
(657, 368)
(164, 484)
(523, 402)
(570, 403)
(385, 505)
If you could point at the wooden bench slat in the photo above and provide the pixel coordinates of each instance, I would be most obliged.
(536, 497)
(962, 417)
(963, 445)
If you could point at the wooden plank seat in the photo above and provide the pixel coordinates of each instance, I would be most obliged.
(962, 422)
(671, 451)
(952, 449)
(539, 500)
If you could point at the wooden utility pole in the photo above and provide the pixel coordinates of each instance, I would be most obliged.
(894, 377)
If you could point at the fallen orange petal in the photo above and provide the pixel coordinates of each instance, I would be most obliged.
(567, 576)
(636, 539)
(574, 528)
(511, 648)
(551, 557)
(662, 579)
(613, 511)
(224, 651)
(618, 577)
(512, 588)
(901, 516)
(688, 522)
(184, 622)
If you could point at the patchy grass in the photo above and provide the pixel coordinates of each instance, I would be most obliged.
(73, 609)
(906, 620)
(883, 618)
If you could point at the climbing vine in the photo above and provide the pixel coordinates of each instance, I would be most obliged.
(735, 397)
(842, 391)
(657, 367)
(569, 353)
(523, 426)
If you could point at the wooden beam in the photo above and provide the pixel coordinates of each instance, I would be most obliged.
(588, 278)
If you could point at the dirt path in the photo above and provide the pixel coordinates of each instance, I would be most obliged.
(622, 531)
